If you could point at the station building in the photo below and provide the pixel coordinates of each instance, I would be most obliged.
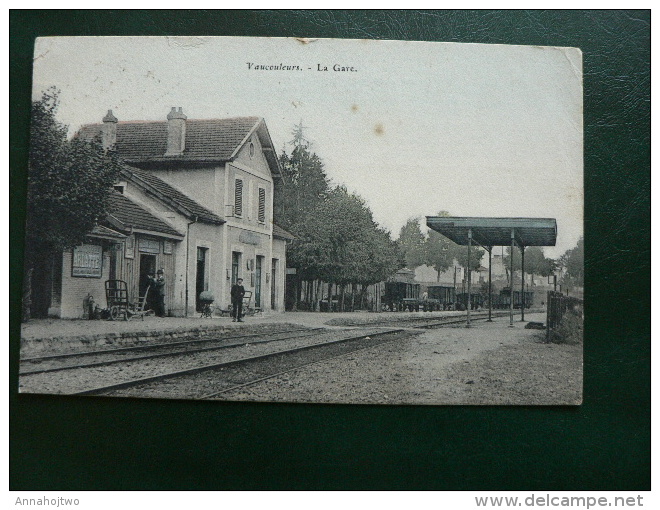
(195, 198)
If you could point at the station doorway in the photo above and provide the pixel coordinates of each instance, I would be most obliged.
(147, 267)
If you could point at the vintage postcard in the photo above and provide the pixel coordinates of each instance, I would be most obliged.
(304, 220)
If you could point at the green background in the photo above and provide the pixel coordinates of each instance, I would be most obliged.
(62, 443)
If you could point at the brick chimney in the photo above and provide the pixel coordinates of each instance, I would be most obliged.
(109, 130)
(176, 132)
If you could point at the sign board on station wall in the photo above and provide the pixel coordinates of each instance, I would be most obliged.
(87, 261)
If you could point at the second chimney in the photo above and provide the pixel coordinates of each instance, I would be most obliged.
(109, 130)
(176, 132)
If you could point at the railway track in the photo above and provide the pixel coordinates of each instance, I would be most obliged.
(71, 376)
(450, 321)
(99, 358)
(215, 379)
(426, 322)
(206, 368)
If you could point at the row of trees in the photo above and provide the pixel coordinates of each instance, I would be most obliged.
(337, 240)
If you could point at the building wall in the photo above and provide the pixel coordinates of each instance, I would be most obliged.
(257, 162)
(249, 245)
(201, 184)
(210, 238)
(252, 181)
(74, 289)
(279, 278)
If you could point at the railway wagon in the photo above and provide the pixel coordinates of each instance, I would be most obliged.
(503, 300)
(400, 296)
(440, 297)
(477, 300)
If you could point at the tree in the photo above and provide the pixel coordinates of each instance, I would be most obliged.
(304, 184)
(439, 252)
(537, 263)
(298, 195)
(412, 244)
(337, 240)
(69, 182)
(461, 255)
(516, 259)
(573, 263)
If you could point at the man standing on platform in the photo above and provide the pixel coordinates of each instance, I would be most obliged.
(237, 293)
(158, 286)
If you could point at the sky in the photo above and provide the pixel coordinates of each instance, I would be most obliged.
(412, 127)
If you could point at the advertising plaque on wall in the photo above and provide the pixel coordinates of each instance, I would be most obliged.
(129, 251)
(149, 246)
(87, 261)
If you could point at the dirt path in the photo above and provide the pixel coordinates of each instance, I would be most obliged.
(489, 363)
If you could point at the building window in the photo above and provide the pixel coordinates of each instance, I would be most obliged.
(251, 150)
(119, 188)
(201, 281)
(262, 205)
(238, 198)
(235, 265)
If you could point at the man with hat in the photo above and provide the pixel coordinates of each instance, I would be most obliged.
(237, 293)
(158, 286)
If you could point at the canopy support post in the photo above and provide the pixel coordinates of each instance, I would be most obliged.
(522, 284)
(490, 286)
(513, 238)
(469, 275)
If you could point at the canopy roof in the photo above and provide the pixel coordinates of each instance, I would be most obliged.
(496, 231)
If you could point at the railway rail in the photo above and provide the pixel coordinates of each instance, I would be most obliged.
(211, 380)
(454, 320)
(169, 349)
(71, 378)
(423, 322)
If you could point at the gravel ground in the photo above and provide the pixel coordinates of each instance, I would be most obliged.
(199, 385)
(79, 379)
(485, 364)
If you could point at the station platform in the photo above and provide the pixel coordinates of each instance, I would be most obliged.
(48, 334)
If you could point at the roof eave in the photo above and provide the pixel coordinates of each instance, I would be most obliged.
(156, 233)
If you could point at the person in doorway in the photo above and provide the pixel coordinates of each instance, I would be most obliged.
(157, 289)
(237, 293)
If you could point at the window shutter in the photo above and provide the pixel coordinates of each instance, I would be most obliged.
(262, 205)
(238, 198)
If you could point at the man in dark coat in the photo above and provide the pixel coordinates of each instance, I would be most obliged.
(237, 293)
(158, 288)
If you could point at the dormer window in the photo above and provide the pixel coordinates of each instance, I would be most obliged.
(238, 198)
(119, 188)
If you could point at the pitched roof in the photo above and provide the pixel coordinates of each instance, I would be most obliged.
(170, 195)
(125, 214)
(280, 233)
(215, 139)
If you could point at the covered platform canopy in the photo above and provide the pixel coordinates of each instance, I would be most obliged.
(489, 232)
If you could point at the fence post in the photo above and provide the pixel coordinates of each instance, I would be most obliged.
(547, 317)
